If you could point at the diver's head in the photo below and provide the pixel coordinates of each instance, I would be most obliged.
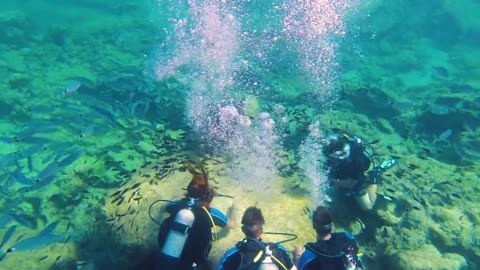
(337, 147)
(198, 188)
(322, 221)
(252, 222)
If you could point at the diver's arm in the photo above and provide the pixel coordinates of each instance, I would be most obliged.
(345, 183)
(220, 220)
(296, 254)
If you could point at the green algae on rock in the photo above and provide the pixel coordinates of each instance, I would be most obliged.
(427, 257)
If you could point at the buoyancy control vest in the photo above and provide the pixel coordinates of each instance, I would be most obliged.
(340, 252)
(256, 255)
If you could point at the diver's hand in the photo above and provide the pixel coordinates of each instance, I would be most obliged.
(232, 215)
(297, 252)
(345, 183)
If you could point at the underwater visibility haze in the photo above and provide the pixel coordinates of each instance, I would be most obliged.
(103, 102)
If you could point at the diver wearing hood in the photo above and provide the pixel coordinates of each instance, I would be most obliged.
(252, 253)
(185, 237)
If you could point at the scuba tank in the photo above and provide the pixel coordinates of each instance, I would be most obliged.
(258, 255)
(267, 263)
(179, 231)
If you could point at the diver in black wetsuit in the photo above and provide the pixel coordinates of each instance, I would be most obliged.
(347, 161)
(185, 237)
(332, 251)
(252, 253)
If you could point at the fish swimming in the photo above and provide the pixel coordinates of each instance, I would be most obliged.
(36, 242)
(49, 171)
(49, 228)
(70, 158)
(71, 87)
(108, 115)
(43, 239)
(21, 178)
(444, 136)
(8, 235)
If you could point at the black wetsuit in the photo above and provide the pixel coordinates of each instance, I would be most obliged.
(198, 244)
(354, 166)
(337, 253)
(242, 256)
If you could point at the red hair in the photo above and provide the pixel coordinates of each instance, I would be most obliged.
(199, 188)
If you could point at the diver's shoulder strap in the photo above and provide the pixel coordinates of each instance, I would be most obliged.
(252, 253)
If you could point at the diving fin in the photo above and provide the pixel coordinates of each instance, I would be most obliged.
(387, 164)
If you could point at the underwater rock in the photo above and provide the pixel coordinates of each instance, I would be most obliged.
(18, 81)
(175, 134)
(374, 102)
(443, 28)
(388, 217)
(58, 34)
(468, 147)
(451, 229)
(393, 239)
(465, 12)
(415, 218)
(251, 107)
(476, 239)
(428, 257)
(385, 126)
(460, 117)
(14, 25)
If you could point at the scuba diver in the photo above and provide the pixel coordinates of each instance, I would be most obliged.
(185, 237)
(347, 160)
(252, 253)
(332, 251)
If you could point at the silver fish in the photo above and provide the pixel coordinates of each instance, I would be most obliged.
(8, 235)
(444, 136)
(49, 228)
(71, 87)
(35, 242)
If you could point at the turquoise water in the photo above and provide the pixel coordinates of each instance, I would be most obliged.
(102, 101)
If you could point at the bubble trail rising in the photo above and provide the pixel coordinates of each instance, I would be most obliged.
(221, 49)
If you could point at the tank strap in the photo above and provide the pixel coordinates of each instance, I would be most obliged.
(179, 227)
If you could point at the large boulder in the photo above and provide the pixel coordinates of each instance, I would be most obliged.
(427, 257)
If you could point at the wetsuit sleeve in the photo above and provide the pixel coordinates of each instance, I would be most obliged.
(219, 218)
(283, 257)
(306, 260)
(230, 260)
